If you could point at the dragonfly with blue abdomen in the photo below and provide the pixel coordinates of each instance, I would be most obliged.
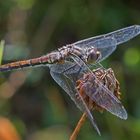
(69, 62)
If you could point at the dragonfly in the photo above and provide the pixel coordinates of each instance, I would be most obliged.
(69, 62)
(90, 50)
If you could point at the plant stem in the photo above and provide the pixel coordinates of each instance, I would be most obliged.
(78, 127)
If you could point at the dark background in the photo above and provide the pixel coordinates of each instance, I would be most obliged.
(34, 104)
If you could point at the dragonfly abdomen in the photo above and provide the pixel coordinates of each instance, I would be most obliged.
(21, 64)
(15, 65)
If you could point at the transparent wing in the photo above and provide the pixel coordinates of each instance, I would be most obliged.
(107, 43)
(120, 36)
(106, 47)
(66, 76)
(106, 100)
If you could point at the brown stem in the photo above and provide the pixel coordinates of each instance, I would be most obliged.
(78, 127)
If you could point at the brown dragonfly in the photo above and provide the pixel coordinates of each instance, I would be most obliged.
(70, 62)
(90, 50)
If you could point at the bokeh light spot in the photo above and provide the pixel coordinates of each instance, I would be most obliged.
(132, 57)
(25, 4)
(1, 50)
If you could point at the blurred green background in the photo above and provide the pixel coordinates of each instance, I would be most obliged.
(34, 104)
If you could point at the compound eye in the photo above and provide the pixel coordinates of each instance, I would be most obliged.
(92, 57)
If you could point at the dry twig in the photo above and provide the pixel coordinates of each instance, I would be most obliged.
(78, 127)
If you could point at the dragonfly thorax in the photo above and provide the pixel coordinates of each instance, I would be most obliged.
(88, 55)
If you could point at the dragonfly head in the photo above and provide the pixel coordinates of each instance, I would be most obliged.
(93, 55)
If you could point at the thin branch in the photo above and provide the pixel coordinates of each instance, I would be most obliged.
(78, 127)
